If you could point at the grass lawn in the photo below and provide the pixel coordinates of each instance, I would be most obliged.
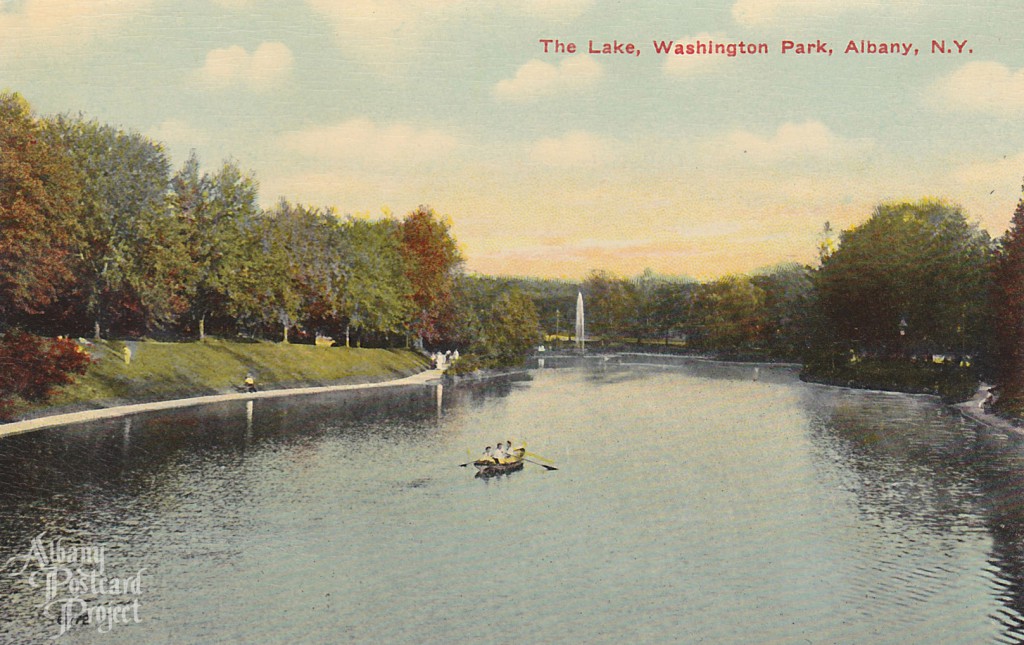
(160, 370)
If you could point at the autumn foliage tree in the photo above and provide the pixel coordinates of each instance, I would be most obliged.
(1008, 305)
(38, 236)
(38, 201)
(32, 367)
(432, 263)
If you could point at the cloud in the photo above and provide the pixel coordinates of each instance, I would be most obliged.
(359, 142)
(549, 9)
(574, 149)
(983, 86)
(53, 27)
(262, 69)
(537, 78)
(791, 141)
(752, 13)
(386, 31)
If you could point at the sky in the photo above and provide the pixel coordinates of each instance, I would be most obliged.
(555, 163)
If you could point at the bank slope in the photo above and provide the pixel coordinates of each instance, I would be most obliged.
(158, 371)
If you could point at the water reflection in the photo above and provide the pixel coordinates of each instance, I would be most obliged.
(688, 492)
(933, 488)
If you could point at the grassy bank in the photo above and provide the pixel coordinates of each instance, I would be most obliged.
(159, 371)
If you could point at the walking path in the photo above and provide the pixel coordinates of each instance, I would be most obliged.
(974, 409)
(29, 425)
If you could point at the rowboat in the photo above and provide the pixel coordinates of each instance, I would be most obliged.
(489, 467)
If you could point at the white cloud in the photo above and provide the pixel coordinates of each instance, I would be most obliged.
(751, 13)
(574, 149)
(360, 142)
(385, 31)
(791, 141)
(381, 30)
(983, 87)
(263, 68)
(53, 27)
(537, 78)
(549, 9)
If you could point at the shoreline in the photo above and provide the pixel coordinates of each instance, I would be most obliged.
(425, 377)
(973, 410)
(970, 409)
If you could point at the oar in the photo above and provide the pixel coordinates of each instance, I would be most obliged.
(540, 464)
(535, 456)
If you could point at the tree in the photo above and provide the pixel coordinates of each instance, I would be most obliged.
(910, 279)
(673, 302)
(217, 213)
(258, 287)
(1008, 305)
(610, 304)
(39, 236)
(375, 290)
(305, 251)
(644, 289)
(39, 197)
(731, 313)
(131, 270)
(512, 330)
(432, 263)
(788, 302)
(31, 367)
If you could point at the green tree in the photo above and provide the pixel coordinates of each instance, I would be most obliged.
(513, 328)
(218, 213)
(730, 312)
(609, 304)
(788, 302)
(131, 270)
(306, 248)
(375, 291)
(672, 307)
(263, 288)
(645, 289)
(910, 279)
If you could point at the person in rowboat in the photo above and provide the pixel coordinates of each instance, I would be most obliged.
(500, 452)
(489, 453)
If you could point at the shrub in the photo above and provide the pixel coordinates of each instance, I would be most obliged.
(32, 367)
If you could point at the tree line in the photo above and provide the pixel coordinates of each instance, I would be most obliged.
(916, 297)
(102, 237)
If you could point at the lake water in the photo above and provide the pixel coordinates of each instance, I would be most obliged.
(693, 502)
